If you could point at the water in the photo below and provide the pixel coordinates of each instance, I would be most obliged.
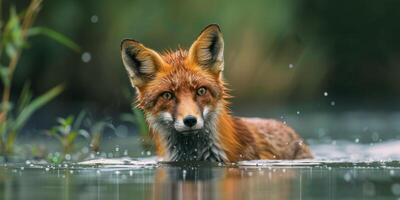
(343, 170)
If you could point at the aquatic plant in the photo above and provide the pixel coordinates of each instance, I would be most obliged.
(70, 128)
(14, 34)
(66, 132)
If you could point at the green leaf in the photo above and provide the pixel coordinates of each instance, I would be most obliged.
(35, 105)
(24, 98)
(13, 38)
(4, 76)
(11, 50)
(67, 121)
(10, 141)
(58, 37)
(71, 137)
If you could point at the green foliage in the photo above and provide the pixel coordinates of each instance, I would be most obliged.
(66, 132)
(12, 34)
(27, 109)
(13, 39)
(56, 36)
(70, 128)
(24, 109)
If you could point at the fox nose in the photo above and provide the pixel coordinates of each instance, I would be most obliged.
(190, 121)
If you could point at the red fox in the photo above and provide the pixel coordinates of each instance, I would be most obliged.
(185, 101)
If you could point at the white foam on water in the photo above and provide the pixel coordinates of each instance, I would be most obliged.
(333, 153)
(344, 150)
(125, 162)
(340, 152)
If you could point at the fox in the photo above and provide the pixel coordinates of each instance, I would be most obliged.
(185, 101)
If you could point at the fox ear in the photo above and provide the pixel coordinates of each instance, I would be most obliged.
(140, 62)
(208, 49)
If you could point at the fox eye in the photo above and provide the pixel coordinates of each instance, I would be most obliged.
(201, 91)
(167, 95)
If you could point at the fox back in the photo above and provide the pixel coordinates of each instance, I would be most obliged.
(185, 101)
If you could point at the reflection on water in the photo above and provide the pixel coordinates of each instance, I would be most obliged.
(202, 181)
(344, 171)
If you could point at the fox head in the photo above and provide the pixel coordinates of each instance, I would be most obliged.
(179, 91)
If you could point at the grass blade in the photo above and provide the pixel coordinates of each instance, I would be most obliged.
(24, 98)
(58, 37)
(35, 105)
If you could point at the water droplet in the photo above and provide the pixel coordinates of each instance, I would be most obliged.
(357, 140)
(326, 94)
(94, 19)
(184, 172)
(347, 177)
(86, 57)
(298, 112)
(148, 153)
(116, 149)
(333, 103)
(71, 172)
(117, 172)
(98, 171)
(67, 157)
(219, 164)
(291, 66)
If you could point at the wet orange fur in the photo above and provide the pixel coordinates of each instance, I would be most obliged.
(241, 141)
(240, 138)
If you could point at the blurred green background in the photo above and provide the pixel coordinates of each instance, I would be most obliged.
(278, 53)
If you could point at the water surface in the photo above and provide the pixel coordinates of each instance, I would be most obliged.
(342, 170)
